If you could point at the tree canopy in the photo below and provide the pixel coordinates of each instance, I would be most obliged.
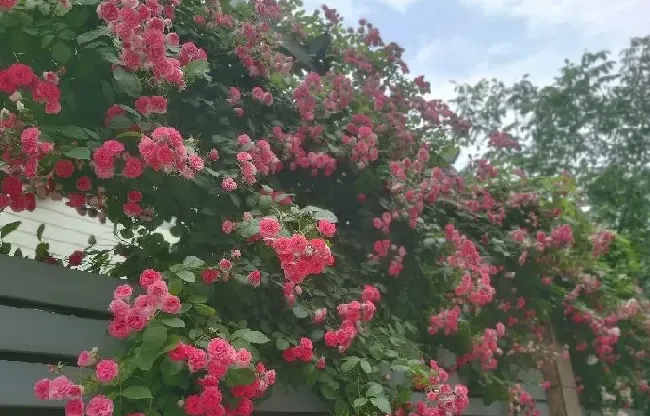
(592, 122)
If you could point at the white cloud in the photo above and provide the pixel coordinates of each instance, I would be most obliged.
(563, 28)
(399, 5)
(614, 19)
(352, 10)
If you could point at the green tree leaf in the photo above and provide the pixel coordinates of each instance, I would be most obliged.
(127, 82)
(9, 228)
(92, 35)
(82, 153)
(153, 338)
(137, 393)
(299, 311)
(382, 404)
(349, 363)
(359, 401)
(61, 52)
(240, 376)
(254, 337)
(174, 322)
(193, 262)
(365, 366)
(39, 231)
(186, 276)
(374, 389)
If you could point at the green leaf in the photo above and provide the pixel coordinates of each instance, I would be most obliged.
(130, 134)
(329, 392)
(128, 82)
(193, 262)
(254, 337)
(154, 337)
(240, 376)
(10, 227)
(136, 393)
(365, 366)
(74, 132)
(349, 364)
(174, 322)
(108, 93)
(186, 276)
(196, 69)
(249, 228)
(374, 389)
(61, 52)
(46, 40)
(82, 153)
(204, 310)
(281, 344)
(299, 311)
(360, 401)
(170, 367)
(382, 404)
(39, 231)
(320, 213)
(92, 35)
(175, 287)
(5, 248)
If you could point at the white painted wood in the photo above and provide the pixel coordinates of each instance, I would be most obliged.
(65, 230)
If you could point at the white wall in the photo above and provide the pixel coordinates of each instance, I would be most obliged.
(65, 230)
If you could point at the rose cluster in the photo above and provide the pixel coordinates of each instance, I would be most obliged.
(132, 317)
(216, 360)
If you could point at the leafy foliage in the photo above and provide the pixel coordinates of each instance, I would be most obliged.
(591, 121)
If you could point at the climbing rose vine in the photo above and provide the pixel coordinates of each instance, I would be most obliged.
(319, 235)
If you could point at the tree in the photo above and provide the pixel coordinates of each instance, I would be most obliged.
(592, 121)
(323, 239)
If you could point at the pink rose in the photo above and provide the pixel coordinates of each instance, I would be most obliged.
(137, 320)
(85, 359)
(171, 304)
(122, 291)
(326, 228)
(74, 407)
(106, 370)
(269, 227)
(100, 406)
(158, 289)
(148, 277)
(59, 388)
(42, 389)
(119, 328)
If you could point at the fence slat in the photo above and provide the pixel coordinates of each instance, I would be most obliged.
(31, 331)
(17, 383)
(52, 285)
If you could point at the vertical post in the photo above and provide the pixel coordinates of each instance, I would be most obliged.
(562, 395)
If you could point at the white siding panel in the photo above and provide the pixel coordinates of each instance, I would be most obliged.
(65, 230)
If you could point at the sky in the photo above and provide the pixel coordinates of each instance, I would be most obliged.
(467, 40)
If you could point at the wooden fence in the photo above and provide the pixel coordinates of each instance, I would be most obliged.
(49, 314)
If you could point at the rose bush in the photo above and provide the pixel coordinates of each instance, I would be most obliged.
(323, 238)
